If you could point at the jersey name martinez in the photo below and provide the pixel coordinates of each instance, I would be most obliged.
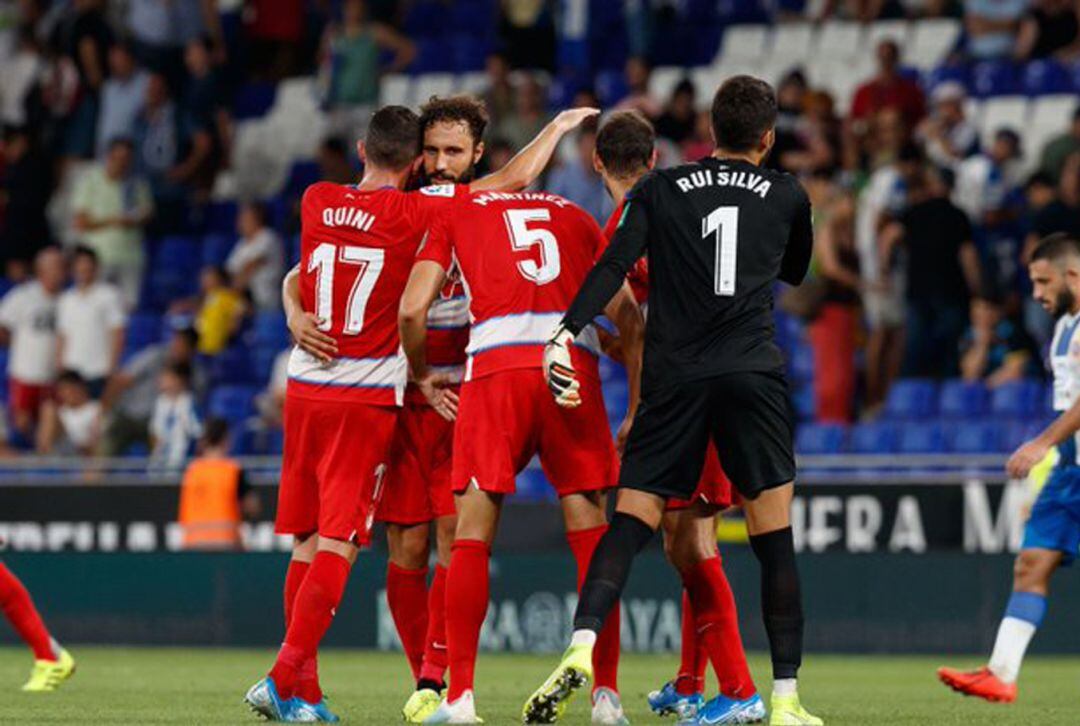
(743, 179)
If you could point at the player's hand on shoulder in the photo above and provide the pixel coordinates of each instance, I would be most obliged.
(571, 118)
(1025, 458)
(438, 390)
(559, 369)
(305, 331)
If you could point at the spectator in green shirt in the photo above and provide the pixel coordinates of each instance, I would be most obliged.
(1057, 150)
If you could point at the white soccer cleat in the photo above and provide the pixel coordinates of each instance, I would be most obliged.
(607, 708)
(462, 710)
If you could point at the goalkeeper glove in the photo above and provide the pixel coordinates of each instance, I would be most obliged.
(559, 368)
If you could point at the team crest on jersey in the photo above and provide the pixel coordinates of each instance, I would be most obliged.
(438, 190)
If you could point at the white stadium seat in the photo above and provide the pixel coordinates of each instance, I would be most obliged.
(838, 39)
(895, 30)
(475, 83)
(296, 95)
(1003, 111)
(395, 89)
(792, 42)
(744, 42)
(432, 84)
(706, 80)
(663, 80)
(1050, 117)
(931, 41)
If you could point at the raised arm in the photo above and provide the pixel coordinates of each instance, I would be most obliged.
(425, 281)
(530, 162)
(303, 325)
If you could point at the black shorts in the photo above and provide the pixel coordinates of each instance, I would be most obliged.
(746, 414)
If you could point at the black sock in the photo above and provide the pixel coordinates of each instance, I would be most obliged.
(608, 570)
(429, 684)
(781, 600)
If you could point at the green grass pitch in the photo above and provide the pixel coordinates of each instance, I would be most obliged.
(204, 686)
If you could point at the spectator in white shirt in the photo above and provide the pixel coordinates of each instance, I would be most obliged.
(28, 326)
(174, 425)
(90, 324)
(70, 425)
(257, 262)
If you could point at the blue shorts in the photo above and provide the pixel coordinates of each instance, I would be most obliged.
(1055, 517)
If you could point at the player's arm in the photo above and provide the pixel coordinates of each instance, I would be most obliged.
(1031, 453)
(303, 325)
(425, 281)
(800, 246)
(624, 311)
(530, 162)
(600, 286)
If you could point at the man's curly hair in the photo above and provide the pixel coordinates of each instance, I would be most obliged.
(456, 109)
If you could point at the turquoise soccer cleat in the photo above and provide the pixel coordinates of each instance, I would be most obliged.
(669, 702)
(320, 710)
(724, 710)
(264, 700)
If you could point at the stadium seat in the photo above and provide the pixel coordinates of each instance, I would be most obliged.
(269, 330)
(663, 80)
(744, 42)
(221, 217)
(262, 363)
(801, 364)
(143, 329)
(1003, 112)
(995, 78)
(232, 403)
(962, 399)
(432, 84)
(911, 399)
(975, 436)
(838, 39)
(216, 248)
(253, 100)
(802, 398)
(474, 82)
(1045, 77)
(532, 485)
(303, 174)
(921, 438)
(792, 42)
(898, 31)
(873, 438)
(1019, 399)
(611, 87)
(820, 438)
(395, 89)
(931, 42)
(232, 365)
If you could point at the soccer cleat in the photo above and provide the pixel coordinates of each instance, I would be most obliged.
(549, 701)
(667, 702)
(264, 700)
(787, 711)
(462, 710)
(47, 675)
(321, 711)
(981, 684)
(607, 708)
(421, 704)
(731, 710)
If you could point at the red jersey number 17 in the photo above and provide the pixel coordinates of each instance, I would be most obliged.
(324, 262)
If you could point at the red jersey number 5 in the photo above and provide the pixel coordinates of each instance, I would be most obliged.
(523, 237)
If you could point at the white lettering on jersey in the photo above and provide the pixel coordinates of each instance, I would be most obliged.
(348, 217)
(484, 199)
(744, 180)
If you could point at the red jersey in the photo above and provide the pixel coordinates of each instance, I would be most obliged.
(356, 252)
(638, 277)
(522, 257)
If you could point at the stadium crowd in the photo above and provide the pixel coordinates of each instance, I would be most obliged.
(141, 279)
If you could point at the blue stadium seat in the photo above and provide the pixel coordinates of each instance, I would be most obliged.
(963, 399)
(262, 363)
(616, 395)
(232, 365)
(1018, 431)
(469, 52)
(292, 250)
(995, 78)
(912, 398)
(254, 100)
(611, 86)
(232, 403)
(1018, 399)
(302, 175)
(820, 438)
(143, 329)
(176, 253)
(975, 436)
(802, 398)
(873, 438)
(275, 442)
(921, 438)
(944, 73)
(1046, 76)
(221, 218)
(532, 485)
(269, 330)
(216, 248)
(801, 362)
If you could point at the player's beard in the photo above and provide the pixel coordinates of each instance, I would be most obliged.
(467, 176)
(1064, 302)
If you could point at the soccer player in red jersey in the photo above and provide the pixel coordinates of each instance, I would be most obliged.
(521, 257)
(52, 664)
(347, 378)
(624, 154)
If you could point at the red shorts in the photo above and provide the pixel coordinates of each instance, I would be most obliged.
(27, 397)
(714, 487)
(418, 481)
(332, 471)
(507, 417)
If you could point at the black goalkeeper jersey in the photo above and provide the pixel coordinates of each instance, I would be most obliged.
(718, 233)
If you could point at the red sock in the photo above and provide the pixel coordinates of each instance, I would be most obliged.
(307, 683)
(407, 595)
(312, 613)
(718, 626)
(606, 652)
(434, 668)
(691, 676)
(20, 611)
(467, 593)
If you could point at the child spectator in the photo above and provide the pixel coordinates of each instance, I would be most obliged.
(174, 426)
(220, 311)
(71, 425)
